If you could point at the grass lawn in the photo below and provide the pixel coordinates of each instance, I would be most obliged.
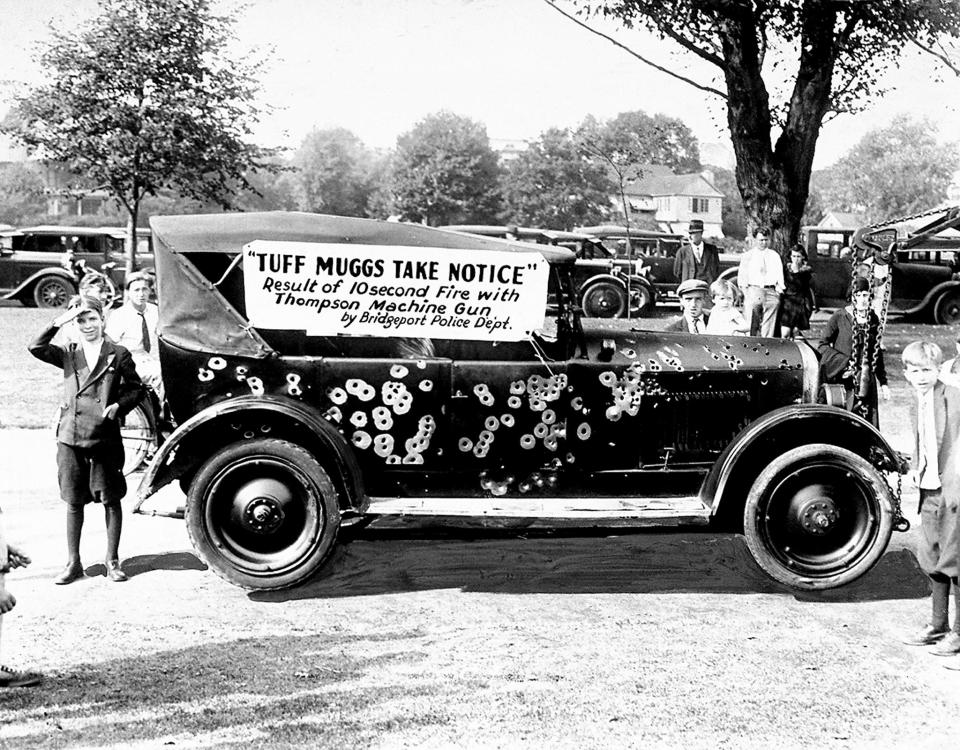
(29, 389)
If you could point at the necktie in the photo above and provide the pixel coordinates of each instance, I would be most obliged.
(698, 325)
(922, 437)
(145, 332)
(763, 266)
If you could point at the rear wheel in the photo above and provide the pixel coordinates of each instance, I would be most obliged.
(817, 517)
(642, 300)
(947, 309)
(52, 291)
(604, 300)
(263, 514)
(139, 438)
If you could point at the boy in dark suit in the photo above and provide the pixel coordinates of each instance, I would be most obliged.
(936, 428)
(100, 386)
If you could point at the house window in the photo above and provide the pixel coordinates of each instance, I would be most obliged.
(700, 205)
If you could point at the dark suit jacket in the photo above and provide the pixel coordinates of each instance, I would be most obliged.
(681, 324)
(685, 264)
(946, 411)
(112, 380)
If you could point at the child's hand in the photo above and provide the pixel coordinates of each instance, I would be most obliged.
(16, 558)
(111, 411)
(7, 602)
(61, 320)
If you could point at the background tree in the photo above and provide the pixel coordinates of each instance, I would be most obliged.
(444, 172)
(733, 217)
(145, 98)
(893, 171)
(332, 173)
(656, 139)
(553, 185)
(22, 198)
(836, 50)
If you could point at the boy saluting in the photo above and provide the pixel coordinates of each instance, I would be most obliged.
(936, 427)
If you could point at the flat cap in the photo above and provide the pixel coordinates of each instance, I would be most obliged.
(692, 285)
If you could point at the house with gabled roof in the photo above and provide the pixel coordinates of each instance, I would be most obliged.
(674, 199)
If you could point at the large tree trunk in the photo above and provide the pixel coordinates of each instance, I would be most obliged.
(774, 181)
(131, 266)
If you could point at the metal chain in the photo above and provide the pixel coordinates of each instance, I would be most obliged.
(931, 212)
(899, 522)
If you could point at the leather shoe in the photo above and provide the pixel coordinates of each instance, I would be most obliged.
(114, 573)
(948, 646)
(11, 678)
(926, 637)
(953, 664)
(71, 573)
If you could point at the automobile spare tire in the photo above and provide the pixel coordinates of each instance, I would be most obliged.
(263, 514)
(604, 299)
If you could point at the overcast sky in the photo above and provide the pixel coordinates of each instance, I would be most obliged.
(378, 66)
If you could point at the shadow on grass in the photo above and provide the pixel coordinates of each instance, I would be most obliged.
(265, 692)
(139, 564)
(651, 562)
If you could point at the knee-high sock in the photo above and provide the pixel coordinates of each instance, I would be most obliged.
(74, 527)
(114, 520)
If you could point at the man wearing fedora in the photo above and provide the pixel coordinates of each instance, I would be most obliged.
(693, 296)
(697, 260)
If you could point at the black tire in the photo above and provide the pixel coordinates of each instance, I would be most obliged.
(947, 309)
(604, 299)
(263, 514)
(52, 292)
(139, 436)
(644, 299)
(818, 517)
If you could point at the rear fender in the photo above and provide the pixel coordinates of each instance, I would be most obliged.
(27, 285)
(728, 484)
(931, 297)
(246, 417)
(608, 277)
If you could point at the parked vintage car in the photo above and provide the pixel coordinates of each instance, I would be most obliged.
(289, 431)
(657, 251)
(606, 284)
(38, 264)
(924, 266)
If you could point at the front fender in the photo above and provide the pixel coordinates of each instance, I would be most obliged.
(931, 297)
(782, 430)
(608, 277)
(25, 285)
(245, 417)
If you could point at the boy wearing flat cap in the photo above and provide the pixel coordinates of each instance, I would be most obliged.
(100, 386)
(693, 296)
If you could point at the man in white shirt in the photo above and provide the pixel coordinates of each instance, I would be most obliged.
(760, 278)
(133, 326)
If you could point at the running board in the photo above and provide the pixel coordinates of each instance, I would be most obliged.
(633, 511)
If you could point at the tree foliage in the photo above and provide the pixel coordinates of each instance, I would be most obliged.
(145, 98)
(826, 55)
(21, 193)
(333, 173)
(444, 172)
(656, 139)
(733, 218)
(554, 185)
(893, 171)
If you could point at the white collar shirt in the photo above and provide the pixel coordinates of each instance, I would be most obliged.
(124, 328)
(697, 251)
(91, 352)
(761, 267)
(929, 466)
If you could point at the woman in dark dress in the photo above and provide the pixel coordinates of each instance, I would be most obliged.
(850, 354)
(795, 304)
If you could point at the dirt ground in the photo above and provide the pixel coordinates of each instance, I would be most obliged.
(431, 639)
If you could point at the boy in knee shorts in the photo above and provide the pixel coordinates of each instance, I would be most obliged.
(936, 428)
(100, 386)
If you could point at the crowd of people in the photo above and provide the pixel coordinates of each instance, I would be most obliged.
(108, 361)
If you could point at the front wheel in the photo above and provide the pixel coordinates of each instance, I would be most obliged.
(263, 514)
(604, 300)
(817, 517)
(947, 309)
(139, 435)
(52, 292)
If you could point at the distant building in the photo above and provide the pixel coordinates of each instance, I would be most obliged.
(674, 199)
(509, 149)
(842, 220)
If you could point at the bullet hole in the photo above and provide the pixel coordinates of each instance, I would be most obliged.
(337, 395)
(398, 371)
(358, 419)
(217, 363)
(465, 444)
(426, 385)
(361, 439)
(583, 431)
(383, 445)
(527, 441)
(256, 386)
(204, 375)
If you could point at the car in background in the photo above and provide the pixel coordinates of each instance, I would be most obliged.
(923, 264)
(656, 251)
(37, 264)
(607, 285)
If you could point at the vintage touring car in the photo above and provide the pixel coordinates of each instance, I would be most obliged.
(290, 427)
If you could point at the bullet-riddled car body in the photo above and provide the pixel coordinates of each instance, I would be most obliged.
(290, 428)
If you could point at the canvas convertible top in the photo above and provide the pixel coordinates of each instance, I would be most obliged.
(200, 286)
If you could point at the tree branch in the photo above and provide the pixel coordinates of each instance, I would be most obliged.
(939, 55)
(700, 86)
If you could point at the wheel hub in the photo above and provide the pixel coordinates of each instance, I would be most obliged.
(818, 516)
(263, 515)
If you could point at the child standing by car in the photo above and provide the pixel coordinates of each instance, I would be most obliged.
(100, 386)
(935, 412)
(725, 318)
